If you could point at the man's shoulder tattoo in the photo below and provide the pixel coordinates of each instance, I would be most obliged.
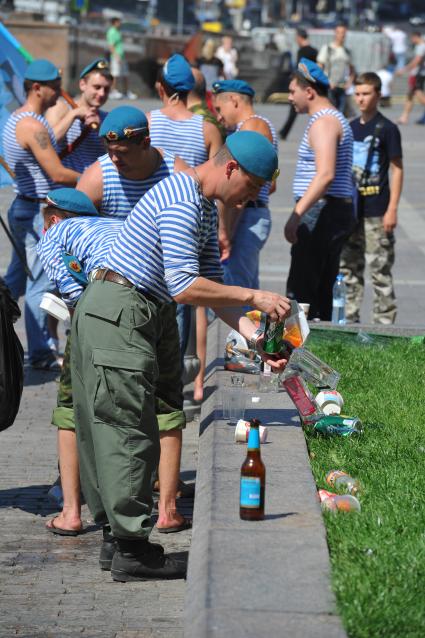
(42, 138)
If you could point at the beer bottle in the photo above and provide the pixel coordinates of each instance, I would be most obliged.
(253, 478)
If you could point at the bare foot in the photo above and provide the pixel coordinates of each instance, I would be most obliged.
(402, 120)
(198, 390)
(66, 522)
(170, 519)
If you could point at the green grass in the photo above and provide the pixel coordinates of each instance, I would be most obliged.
(378, 556)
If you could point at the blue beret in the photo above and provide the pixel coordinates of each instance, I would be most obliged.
(254, 153)
(71, 200)
(41, 71)
(233, 86)
(312, 72)
(178, 74)
(100, 64)
(124, 122)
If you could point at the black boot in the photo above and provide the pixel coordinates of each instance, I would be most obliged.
(109, 545)
(141, 560)
(107, 549)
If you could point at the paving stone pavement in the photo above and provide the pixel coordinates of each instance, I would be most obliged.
(51, 587)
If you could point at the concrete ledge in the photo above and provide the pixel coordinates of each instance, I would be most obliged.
(247, 579)
(370, 328)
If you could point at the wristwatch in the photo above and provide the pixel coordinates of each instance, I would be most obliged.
(252, 341)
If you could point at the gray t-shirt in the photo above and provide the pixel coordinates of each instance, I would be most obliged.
(420, 51)
(336, 63)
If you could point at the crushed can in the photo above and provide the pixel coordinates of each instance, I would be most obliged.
(338, 502)
(342, 481)
(338, 425)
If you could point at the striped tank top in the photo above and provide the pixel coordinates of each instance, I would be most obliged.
(30, 179)
(88, 151)
(184, 138)
(342, 184)
(263, 195)
(120, 194)
(168, 240)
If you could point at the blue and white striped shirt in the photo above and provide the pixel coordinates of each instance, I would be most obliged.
(264, 193)
(342, 184)
(88, 151)
(30, 178)
(184, 138)
(120, 194)
(88, 239)
(168, 240)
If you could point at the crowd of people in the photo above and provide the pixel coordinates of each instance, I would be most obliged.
(146, 215)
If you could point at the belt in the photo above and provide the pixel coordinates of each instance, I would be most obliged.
(35, 200)
(258, 203)
(343, 200)
(104, 274)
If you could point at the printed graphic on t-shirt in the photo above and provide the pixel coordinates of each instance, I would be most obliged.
(369, 183)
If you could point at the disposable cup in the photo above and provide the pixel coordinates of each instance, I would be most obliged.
(305, 307)
(54, 306)
(242, 432)
(330, 401)
(233, 404)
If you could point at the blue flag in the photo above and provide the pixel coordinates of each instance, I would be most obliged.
(12, 95)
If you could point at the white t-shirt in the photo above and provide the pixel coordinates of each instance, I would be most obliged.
(386, 78)
(229, 59)
(398, 40)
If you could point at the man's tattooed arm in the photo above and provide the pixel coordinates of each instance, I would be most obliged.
(42, 138)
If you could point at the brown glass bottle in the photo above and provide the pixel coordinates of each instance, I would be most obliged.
(253, 478)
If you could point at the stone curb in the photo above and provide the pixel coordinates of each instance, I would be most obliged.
(246, 579)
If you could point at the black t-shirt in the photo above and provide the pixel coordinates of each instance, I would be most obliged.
(374, 191)
(307, 52)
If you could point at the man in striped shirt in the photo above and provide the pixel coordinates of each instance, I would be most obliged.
(250, 226)
(75, 243)
(176, 129)
(323, 214)
(167, 249)
(76, 129)
(30, 151)
(130, 166)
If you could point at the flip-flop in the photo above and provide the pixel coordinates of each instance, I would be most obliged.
(60, 531)
(185, 490)
(187, 524)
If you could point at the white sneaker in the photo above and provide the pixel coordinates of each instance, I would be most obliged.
(130, 95)
(115, 95)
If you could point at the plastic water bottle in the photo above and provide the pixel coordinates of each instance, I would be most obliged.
(338, 300)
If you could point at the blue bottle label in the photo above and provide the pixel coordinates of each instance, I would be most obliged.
(254, 439)
(250, 491)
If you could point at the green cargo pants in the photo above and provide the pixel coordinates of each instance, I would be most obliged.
(117, 346)
(168, 394)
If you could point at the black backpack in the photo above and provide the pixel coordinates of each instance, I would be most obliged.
(11, 359)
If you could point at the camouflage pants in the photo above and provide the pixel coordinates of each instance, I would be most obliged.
(370, 244)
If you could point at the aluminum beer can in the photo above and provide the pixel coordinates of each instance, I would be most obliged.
(273, 336)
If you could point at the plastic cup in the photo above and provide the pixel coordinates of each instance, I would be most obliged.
(54, 306)
(242, 432)
(330, 401)
(237, 405)
(233, 401)
(305, 307)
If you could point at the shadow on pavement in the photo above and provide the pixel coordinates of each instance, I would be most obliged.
(31, 498)
(39, 377)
